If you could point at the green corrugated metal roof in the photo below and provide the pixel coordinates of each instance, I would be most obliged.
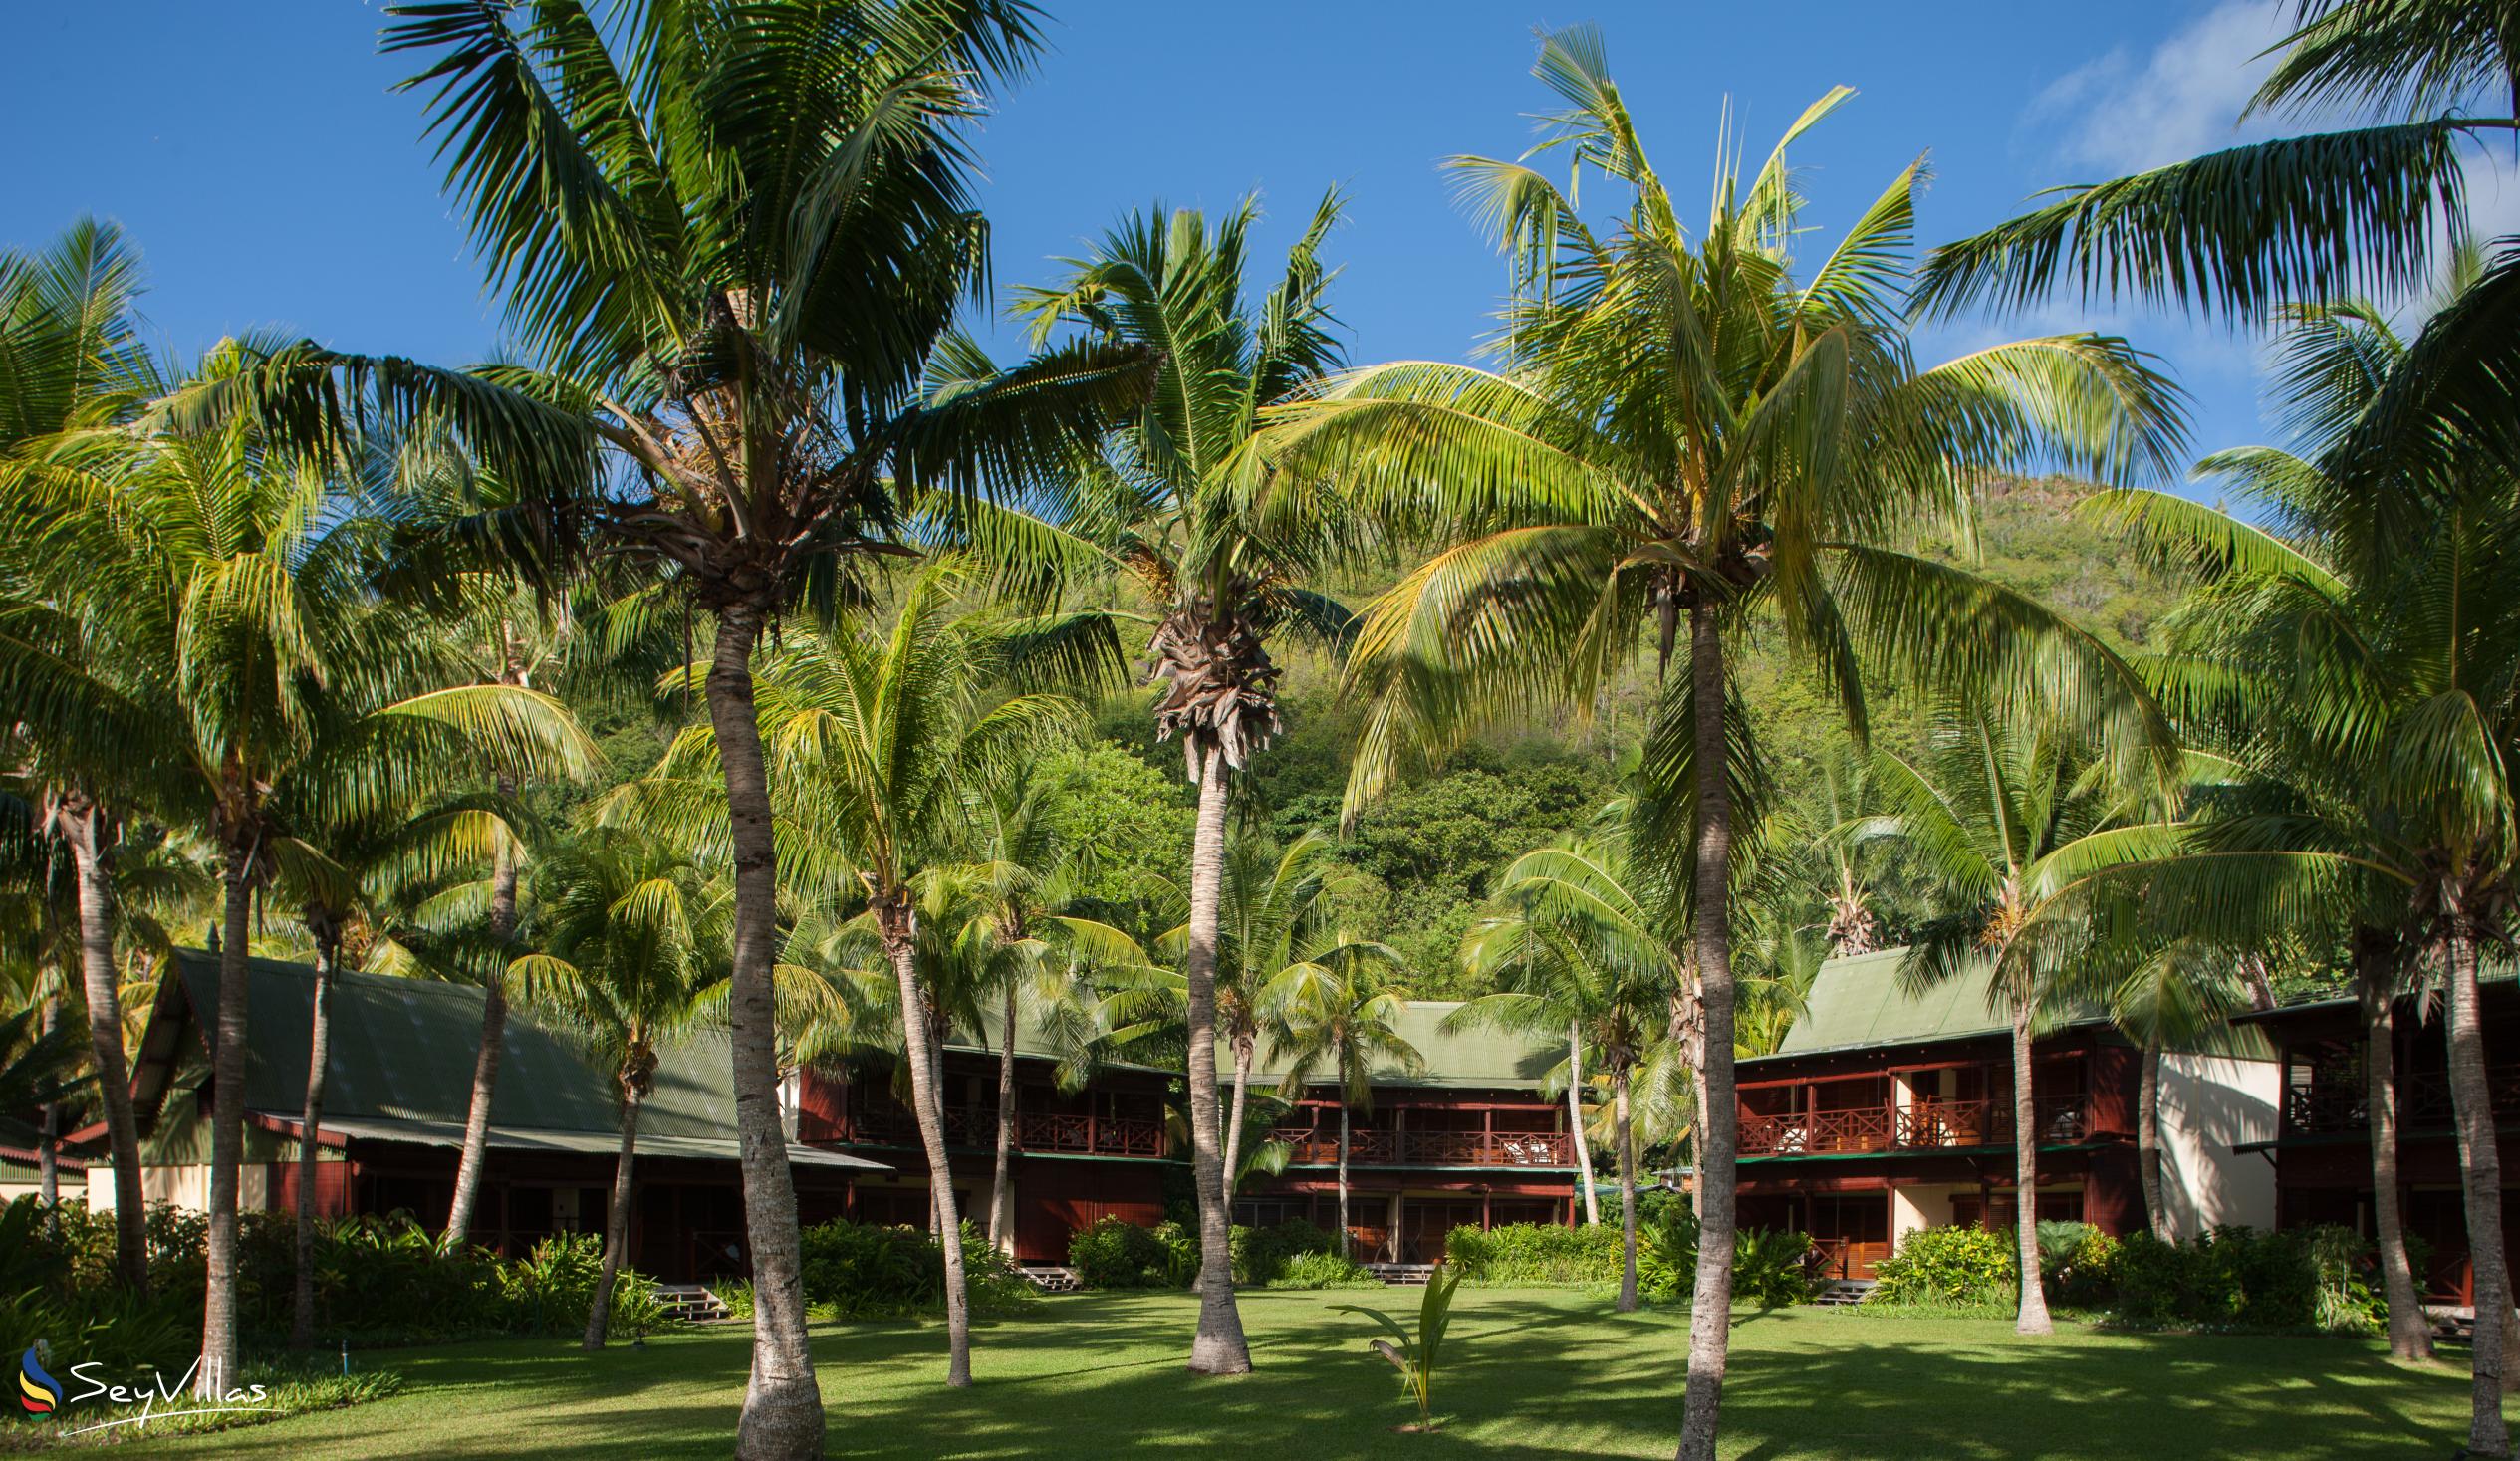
(1857, 1002)
(402, 1050)
(1480, 1058)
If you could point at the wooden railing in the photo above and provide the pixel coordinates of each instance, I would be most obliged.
(1430, 1148)
(975, 1127)
(1888, 1127)
(2424, 1102)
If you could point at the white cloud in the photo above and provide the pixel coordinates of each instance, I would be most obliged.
(2120, 114)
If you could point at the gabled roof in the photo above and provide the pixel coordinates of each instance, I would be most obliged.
(1858, 1003)
(400, 1058)
(1462, 1059)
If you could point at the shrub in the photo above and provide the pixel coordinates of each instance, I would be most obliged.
(1323, 1270)
(1115, 1254)
(1261, 1254)
(1769, 1269)
(1519, 1254)
(2241, 1278)
(1950, 1266)
(865, 1271)
(2075, 1264)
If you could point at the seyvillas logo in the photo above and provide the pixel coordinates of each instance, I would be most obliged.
(37, 1392)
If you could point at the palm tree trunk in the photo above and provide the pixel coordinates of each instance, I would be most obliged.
(2481, 1170)
(85, 833)
(783, 1407)
(1233, 1126)
(1711, 1311)
(485, 1061)
(1347, 1236)
(1219, 1347)
(227, 1136)
(902, 948)
(2409, 1328)
(310, 1126)
(1575, 1122)
(47, 1159)
(1627, 1189)
(2148, 1138)
(2033, 1312)
(616, 1220)
(1001, 1209)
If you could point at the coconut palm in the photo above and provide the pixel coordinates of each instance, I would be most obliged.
(1683, 431)
(878, 740)
(2176, 997)
(634, 940)
(1341, 1027)
(1159, 505)
(2004, 816)
(1581, 946)
(731, 241)
(234, 653)
(71, 363)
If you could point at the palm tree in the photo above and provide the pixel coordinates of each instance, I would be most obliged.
(235, 654)
(634, 955)
(2317, 655)
(878, 740)
(1580, 945)
(2178, 995)
(1681, 431)
(731, 242)
(2004, 816)
(71, 363)
(1341, 1027)
(1160, 504)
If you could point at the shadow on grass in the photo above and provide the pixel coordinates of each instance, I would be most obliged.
(1546, 1375)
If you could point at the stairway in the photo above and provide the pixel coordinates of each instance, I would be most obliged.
(689, 1302)
(2450, 1322)
(1051, 1279)
(1842, 1293)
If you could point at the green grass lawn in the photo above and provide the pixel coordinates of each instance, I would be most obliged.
(1528, 1373)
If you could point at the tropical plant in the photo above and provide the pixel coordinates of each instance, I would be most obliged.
(72, 364)
(633, 955)
(234, 655)
(731, 243)
(2176, 997)
(1159, 503)
(2005, 815)
(1580, 945)
(1340, 1028)
(878, 738)
(1415, 1356)
(1683, 430)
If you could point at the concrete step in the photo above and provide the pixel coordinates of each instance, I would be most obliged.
(689, 1302)
(1400, 1274)
(1053, 1279)
(1843, 1293)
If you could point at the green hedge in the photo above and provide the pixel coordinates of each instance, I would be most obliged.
(866, 1271)
(1114, 1254)
(1767, 1266)
(1523, 1255)
(1323, 1270)
(2312, 1279)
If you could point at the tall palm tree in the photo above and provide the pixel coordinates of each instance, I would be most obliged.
(1581, 946)
(236, 653)
(1160, 504)
(72, 363)
(1341, 1028)
(878, 739)
(633, 949)
(2004, 815)
(731, 242)
(2329, 647)
(1683, 430)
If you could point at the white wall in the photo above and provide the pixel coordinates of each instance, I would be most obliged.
(186, 1187)
(2211, 1104)
(1921, 1207)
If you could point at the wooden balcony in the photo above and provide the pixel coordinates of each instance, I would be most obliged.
(2423, 1104)
(1430, 1148)
(1924, 1125)
(1049, 1133)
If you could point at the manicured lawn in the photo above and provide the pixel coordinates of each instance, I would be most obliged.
(1531, 1374)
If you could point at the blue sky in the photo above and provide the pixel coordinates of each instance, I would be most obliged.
(273, 179)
